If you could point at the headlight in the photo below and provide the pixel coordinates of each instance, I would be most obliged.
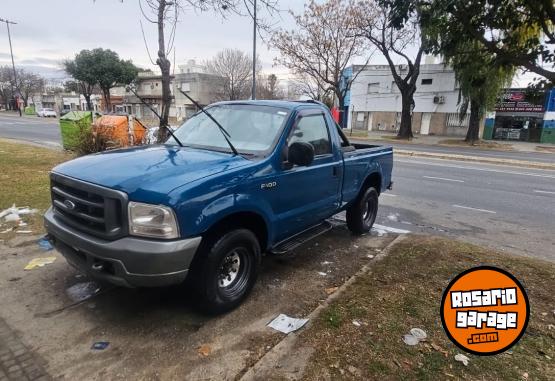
(156, 221)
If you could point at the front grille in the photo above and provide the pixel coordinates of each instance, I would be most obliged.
(90, 208)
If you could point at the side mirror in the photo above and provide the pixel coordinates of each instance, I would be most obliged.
(301, 153)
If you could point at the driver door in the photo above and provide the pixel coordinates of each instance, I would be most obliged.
(308, 194)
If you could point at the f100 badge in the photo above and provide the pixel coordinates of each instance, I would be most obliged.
(485, 310)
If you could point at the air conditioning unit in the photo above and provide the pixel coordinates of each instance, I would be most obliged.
(439, 99)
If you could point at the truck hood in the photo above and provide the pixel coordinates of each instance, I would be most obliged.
(149, 173)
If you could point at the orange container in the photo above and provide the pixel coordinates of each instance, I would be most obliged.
(120, 130)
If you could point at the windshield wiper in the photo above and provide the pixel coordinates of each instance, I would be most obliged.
(220, 127)
(170, 130)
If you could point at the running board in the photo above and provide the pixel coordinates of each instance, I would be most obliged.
(297, 240)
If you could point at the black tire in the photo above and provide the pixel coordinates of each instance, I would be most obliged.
(362, 214)
(236, 252)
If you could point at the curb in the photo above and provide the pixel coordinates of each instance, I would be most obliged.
(267, 363)
(476, 159)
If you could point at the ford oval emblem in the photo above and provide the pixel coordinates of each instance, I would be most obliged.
(69, 204)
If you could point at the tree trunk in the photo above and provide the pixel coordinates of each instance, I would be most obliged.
(107, 100)
(473, 132)
(165, 66)
(405, 130)
(88, 101)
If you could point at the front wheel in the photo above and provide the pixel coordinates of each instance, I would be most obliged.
(227, 270)
(362, 214)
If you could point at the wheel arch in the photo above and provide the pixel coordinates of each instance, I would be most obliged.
(242, 219)
(374, 179)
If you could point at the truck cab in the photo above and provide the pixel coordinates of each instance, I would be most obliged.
(207, 204)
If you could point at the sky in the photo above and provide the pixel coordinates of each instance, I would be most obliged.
(50, 31)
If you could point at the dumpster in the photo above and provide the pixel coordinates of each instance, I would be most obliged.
(116, 131)
(71, 124)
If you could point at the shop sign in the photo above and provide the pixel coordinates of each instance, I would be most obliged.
(515, 101)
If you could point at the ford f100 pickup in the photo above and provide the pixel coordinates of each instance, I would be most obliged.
(235, 181)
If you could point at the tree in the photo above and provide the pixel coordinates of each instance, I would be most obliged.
(268, 87)
(480, 84)
(101, 67)
(393, 42)
(480, 79)
(6, 85)
(322, 45)
(235, 67)
(515, 33)
(164, 14)
(302, 85)
(29, 84)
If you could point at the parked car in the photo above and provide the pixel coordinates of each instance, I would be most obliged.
(46, 113)
(192, 208)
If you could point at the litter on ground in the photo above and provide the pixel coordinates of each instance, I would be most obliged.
(100, 345)
(410, 340)
(45, 244)
(204, 350)
(82, 291)
(331, 290)
(286, 324)
(39, 262)
(462, 358)
(415, 336)
(356, 323)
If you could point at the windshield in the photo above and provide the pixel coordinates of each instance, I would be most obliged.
(253, 128)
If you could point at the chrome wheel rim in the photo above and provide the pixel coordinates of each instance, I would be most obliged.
(229, 270)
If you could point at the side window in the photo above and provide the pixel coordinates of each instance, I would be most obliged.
(312, 129)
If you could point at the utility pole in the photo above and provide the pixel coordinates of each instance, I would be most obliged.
(13, 62)
(253, 96)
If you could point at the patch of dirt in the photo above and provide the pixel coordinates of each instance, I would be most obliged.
(157, 333)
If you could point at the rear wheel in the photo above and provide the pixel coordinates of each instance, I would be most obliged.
(362, 214)
(227, 270)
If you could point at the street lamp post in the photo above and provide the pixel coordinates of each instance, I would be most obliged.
(13, 62)
(253, 95)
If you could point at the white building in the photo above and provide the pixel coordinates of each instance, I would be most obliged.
(375, 101)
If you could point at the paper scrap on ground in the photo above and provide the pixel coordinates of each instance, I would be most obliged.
(286, 324)
(39, 262)
(410, 340)
(13, 213)
(462, 358)
(415, 336)
(387, 229)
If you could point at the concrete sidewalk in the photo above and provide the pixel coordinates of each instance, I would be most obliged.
(449, 141)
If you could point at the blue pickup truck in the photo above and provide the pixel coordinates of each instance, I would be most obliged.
(207, 204)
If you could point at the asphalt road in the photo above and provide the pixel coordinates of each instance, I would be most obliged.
(43, 131)
(507, 208)
(529, 156)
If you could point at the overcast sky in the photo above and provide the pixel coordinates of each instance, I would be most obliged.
(49, 31)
